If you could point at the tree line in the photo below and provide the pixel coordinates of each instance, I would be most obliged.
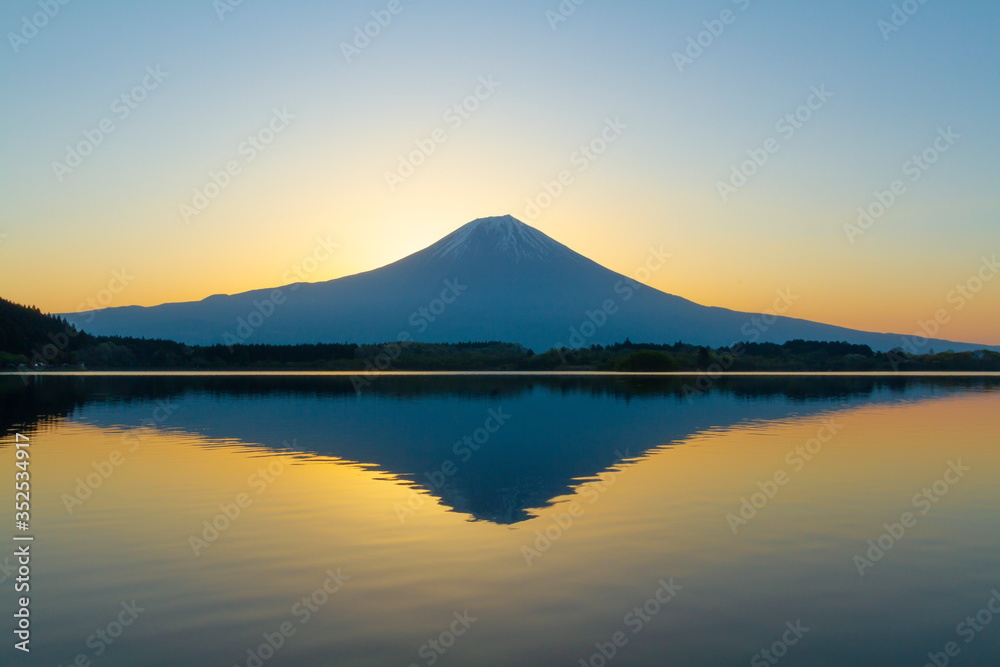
(32, 339)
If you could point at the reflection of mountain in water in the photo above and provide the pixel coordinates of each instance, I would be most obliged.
(555, 431)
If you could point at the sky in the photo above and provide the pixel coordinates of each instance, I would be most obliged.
(161, 152)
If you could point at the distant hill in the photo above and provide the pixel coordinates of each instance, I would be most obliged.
(33, 339)
(492, 279)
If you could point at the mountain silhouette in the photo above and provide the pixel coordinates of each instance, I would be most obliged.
(492, 279)
(557, 432)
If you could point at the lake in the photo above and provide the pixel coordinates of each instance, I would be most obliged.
(488, 520)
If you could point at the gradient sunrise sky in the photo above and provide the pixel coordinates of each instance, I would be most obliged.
(683, 92)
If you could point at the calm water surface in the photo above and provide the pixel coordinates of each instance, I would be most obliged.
(495, 520)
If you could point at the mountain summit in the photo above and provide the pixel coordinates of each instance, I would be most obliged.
(502, 235)
(491, 279)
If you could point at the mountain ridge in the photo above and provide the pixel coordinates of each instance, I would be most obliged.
(494, 278)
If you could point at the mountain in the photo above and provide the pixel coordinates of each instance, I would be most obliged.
(561, 431)
(492, 279)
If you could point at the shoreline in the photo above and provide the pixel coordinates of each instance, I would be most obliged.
(403, 373)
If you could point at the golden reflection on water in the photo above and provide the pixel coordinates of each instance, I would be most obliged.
(549, 586)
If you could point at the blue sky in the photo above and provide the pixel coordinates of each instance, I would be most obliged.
(558, 85)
